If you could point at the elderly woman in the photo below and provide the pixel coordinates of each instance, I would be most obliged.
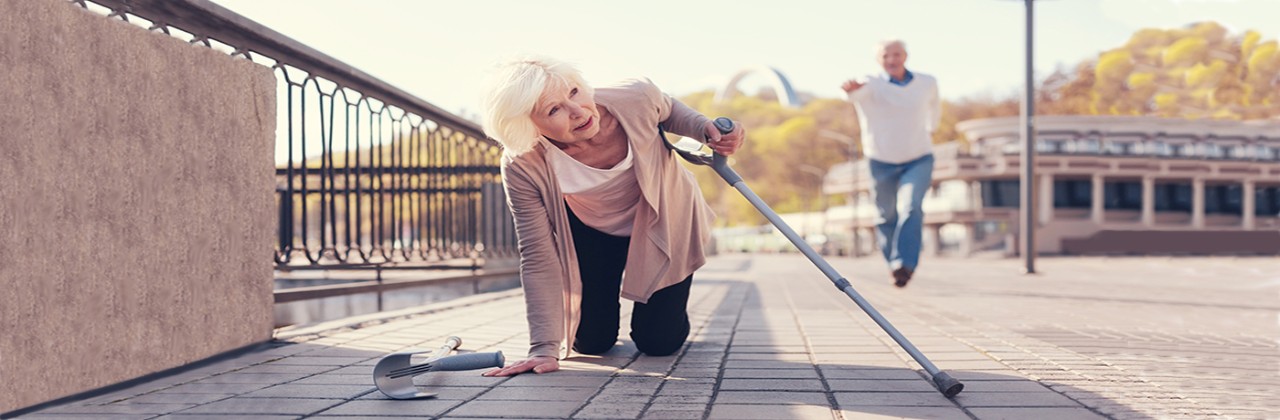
(596, 193)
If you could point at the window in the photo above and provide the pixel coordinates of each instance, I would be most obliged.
(1072, 193)
(1212, 151)
(1173, 197)
(1183, 150)
(1119, 148)
(1160, 148)
(1000, 193)
(1122, 195)
(1261, 152)
(1237, 152)
(1222, 199)
(1266, 201)
(1087, 145)
(1049, 146)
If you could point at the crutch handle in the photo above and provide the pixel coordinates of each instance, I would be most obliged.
(467, 362)
(720, 162)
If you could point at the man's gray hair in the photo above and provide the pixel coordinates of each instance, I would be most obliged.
(880, 46)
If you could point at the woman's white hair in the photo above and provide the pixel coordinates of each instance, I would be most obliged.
(514, 89)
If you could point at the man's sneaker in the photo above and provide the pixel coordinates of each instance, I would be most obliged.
(901, 276)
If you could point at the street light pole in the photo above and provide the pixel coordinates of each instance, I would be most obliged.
(1027, 202)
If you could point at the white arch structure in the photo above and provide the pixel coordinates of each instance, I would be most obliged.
(778, 81)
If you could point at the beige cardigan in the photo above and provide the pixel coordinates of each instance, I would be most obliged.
(672, 225)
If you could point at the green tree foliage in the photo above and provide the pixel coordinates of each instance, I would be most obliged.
(1200, 71)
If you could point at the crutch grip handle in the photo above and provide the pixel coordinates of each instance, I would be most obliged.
(719, 162)
(469, 361)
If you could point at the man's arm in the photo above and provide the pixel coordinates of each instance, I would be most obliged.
(857, 89)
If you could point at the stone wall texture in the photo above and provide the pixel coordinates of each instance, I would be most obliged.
(137, 213)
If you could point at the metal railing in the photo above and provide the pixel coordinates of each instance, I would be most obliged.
(367, 174)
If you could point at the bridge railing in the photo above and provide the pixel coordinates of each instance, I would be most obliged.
(367, 174)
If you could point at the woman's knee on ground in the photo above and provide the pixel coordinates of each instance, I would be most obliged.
(594, 345)
(660, 344)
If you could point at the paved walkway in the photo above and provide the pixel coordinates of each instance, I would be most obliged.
(1123, 338)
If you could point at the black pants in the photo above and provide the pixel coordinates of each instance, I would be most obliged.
(659, 327)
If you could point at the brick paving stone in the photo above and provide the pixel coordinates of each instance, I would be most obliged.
(673, 415)
(761, 397)
(527, 409)
(786, 357)
(441, 393)
(227, 417)
(311, 391)
(95, 416)
(538, 394)
(771, 385)
(805, 372)
(880, 385)
(622, 398)
(253, 378)
(429, 407)
(204, 388)
(931, 399)
(687, 389)
(871, 412)
(746, 412)
(263, 406)
(122, 408)
(178, 398)
(335, 379)
(682, 399)
(610, 411)
(1005, 386)
(282, 368)
(1039, 413)
(318, 361)
(564, 380)
(845, 372)
(677, 407)
(1014, 399)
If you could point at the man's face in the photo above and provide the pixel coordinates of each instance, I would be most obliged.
(893, 58)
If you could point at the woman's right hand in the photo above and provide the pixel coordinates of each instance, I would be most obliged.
(537, 364)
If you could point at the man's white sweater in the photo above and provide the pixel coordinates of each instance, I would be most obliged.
(897, 121)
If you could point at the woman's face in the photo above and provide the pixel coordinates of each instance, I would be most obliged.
(566, 114)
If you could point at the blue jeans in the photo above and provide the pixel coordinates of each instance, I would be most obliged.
(899, 191)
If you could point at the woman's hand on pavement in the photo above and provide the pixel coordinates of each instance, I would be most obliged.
(537, 364)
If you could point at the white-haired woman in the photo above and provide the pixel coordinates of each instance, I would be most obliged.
(595, 193)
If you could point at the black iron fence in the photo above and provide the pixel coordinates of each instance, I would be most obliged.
(367, 175)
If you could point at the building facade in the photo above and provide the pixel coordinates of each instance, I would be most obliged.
(1104, 185)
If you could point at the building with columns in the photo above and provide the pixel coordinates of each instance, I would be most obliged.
(1104, 185)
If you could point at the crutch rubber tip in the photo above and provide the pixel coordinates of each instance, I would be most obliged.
(947, 385)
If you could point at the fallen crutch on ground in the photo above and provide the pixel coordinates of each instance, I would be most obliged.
(393, 375)
(941, 380)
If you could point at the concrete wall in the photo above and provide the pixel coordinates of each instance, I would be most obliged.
(136, 206)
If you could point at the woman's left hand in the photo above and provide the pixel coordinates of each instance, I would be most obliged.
(728, 143)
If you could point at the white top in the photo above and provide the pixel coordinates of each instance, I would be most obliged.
(897, 121)
(605, 199)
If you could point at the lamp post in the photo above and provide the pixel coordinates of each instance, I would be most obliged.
(856, 250)
(1026, 200)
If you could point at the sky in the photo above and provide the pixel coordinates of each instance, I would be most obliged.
(442, 51)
